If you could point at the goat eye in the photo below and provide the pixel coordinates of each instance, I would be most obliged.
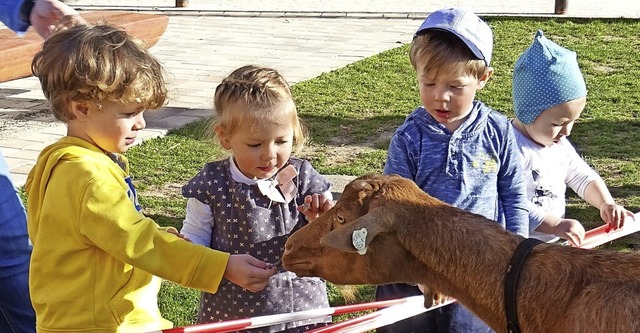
(340, 219)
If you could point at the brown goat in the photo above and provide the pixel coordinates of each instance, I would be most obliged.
(415, 238)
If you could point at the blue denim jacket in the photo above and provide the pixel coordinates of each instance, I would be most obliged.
(10, 15)
(15, 248)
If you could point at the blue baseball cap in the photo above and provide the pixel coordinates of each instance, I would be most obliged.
(545, 75)
(467, 26)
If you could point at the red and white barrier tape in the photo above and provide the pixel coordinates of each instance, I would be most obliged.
(261, 321)
(413, 306)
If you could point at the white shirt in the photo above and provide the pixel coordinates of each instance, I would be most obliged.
(547, 172)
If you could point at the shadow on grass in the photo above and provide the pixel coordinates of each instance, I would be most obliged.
(340, 131)
(607, 139)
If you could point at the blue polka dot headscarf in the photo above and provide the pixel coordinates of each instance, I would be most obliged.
(545, 75)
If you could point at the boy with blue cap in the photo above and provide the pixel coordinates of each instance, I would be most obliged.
(456, 148)
(549, 94)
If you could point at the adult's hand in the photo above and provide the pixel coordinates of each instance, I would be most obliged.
(46, 14)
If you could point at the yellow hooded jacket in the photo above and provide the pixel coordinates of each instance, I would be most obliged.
(94, 254)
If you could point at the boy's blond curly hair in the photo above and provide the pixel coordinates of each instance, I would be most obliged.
(97, 63)
(253, 93)
(442, 51)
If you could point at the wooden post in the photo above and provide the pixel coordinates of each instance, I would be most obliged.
(561, 6)
(182, 3)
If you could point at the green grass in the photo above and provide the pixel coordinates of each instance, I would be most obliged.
(360, 105)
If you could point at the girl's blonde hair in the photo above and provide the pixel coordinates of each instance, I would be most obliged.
(440, 50)
(253, 93)
(97, 63)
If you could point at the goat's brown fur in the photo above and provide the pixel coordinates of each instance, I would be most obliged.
(415, 238)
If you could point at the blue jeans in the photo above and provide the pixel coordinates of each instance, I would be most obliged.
(16, 311)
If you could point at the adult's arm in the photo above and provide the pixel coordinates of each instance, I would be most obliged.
(43, 15)
(46, 14)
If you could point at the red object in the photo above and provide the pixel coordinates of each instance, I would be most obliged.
(604, 233)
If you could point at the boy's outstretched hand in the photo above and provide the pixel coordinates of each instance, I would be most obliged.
(248, 272)
(315, 205)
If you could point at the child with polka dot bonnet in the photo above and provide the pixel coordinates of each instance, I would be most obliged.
(253, 200)
(549, 94)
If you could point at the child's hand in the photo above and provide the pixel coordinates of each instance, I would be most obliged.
(315, 205)
(174, 231)
(570, 230)
(614, 214)
(248, 272)
(432, 298)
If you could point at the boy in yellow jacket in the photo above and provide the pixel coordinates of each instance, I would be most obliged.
(95, 255)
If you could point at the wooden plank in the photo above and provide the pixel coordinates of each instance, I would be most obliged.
(17, 52)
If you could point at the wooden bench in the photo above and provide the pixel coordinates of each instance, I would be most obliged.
(17, 52)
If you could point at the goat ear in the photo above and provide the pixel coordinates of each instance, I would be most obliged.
(342, 238)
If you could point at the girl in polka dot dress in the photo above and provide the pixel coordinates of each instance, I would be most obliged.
(549, 94)
(252, 201)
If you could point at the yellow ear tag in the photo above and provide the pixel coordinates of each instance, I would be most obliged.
(359, 240)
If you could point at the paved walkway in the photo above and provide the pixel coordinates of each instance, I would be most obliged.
(208, 39)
